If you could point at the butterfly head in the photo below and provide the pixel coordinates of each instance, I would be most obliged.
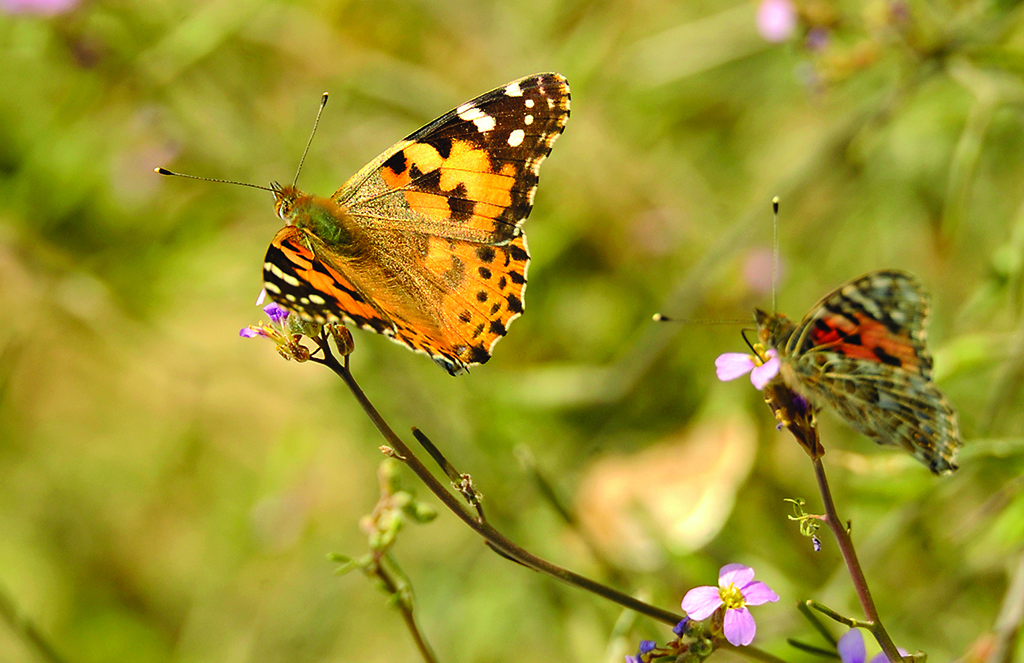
(773, 329)
(284, 201)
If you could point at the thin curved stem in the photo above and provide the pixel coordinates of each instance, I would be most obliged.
(860, 583)
(495, 539)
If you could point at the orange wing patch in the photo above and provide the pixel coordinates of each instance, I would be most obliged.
(865, 339)
(460, 185)
(483, 288)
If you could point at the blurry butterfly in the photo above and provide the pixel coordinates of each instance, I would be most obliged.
(861, 350)
(425, 244)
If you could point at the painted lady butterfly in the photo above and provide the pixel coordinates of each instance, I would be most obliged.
(425, 243)
(861, 350)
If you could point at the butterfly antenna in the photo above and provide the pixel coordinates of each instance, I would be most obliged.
(164, 171)
(775, 252)
(658, 317)
(316, 123)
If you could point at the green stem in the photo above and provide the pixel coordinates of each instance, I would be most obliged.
(381, 571)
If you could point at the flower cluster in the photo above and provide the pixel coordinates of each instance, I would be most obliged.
(278, 331)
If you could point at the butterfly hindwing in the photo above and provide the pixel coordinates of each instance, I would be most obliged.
(892, 406)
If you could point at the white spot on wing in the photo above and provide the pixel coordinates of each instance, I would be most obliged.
(484, 123)
(468, 112)
(529, 103)
(276, 271)
(317, 299)
(513, 90)
(471, 113)
(528, 120)
(515, 139)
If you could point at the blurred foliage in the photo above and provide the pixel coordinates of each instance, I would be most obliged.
(170, 491)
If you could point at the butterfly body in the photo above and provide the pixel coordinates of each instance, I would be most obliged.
(424, 244)
(861, 350)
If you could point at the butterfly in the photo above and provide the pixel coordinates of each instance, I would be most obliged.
(861, 351)
(425, 243)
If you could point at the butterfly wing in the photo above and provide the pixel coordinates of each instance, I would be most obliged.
(862, 350)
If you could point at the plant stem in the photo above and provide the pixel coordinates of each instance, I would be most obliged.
(381, 571)
(495, 539)
(860, 583)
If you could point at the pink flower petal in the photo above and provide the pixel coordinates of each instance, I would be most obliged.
(776, 19)
(700, 602)
(732, 365)
(756, 593)
(735, 574)
(851, 647)
(739, 627)
(763, 374)
(248, 332)
(262, 297)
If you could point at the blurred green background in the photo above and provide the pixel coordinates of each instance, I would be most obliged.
(169, 491)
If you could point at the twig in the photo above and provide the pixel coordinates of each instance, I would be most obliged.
(495, 539)
(860, 583)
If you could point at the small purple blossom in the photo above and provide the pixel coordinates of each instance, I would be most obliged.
(275, 312)
(732, 365)
(680, 628)
(736, 590)
(776, 19)
(645, 646)
(851, 649)
(275, 331)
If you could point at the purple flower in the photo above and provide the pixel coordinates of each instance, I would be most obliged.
(275, 332)
(275, 312)
(645, 646)
(732, 365)
(776, 19)
(680, 628)
(736, 590)
(851, 649)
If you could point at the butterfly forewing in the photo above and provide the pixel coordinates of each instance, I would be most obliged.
(878, 317)
(472, 171)
(862, 351)
(441, 263)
